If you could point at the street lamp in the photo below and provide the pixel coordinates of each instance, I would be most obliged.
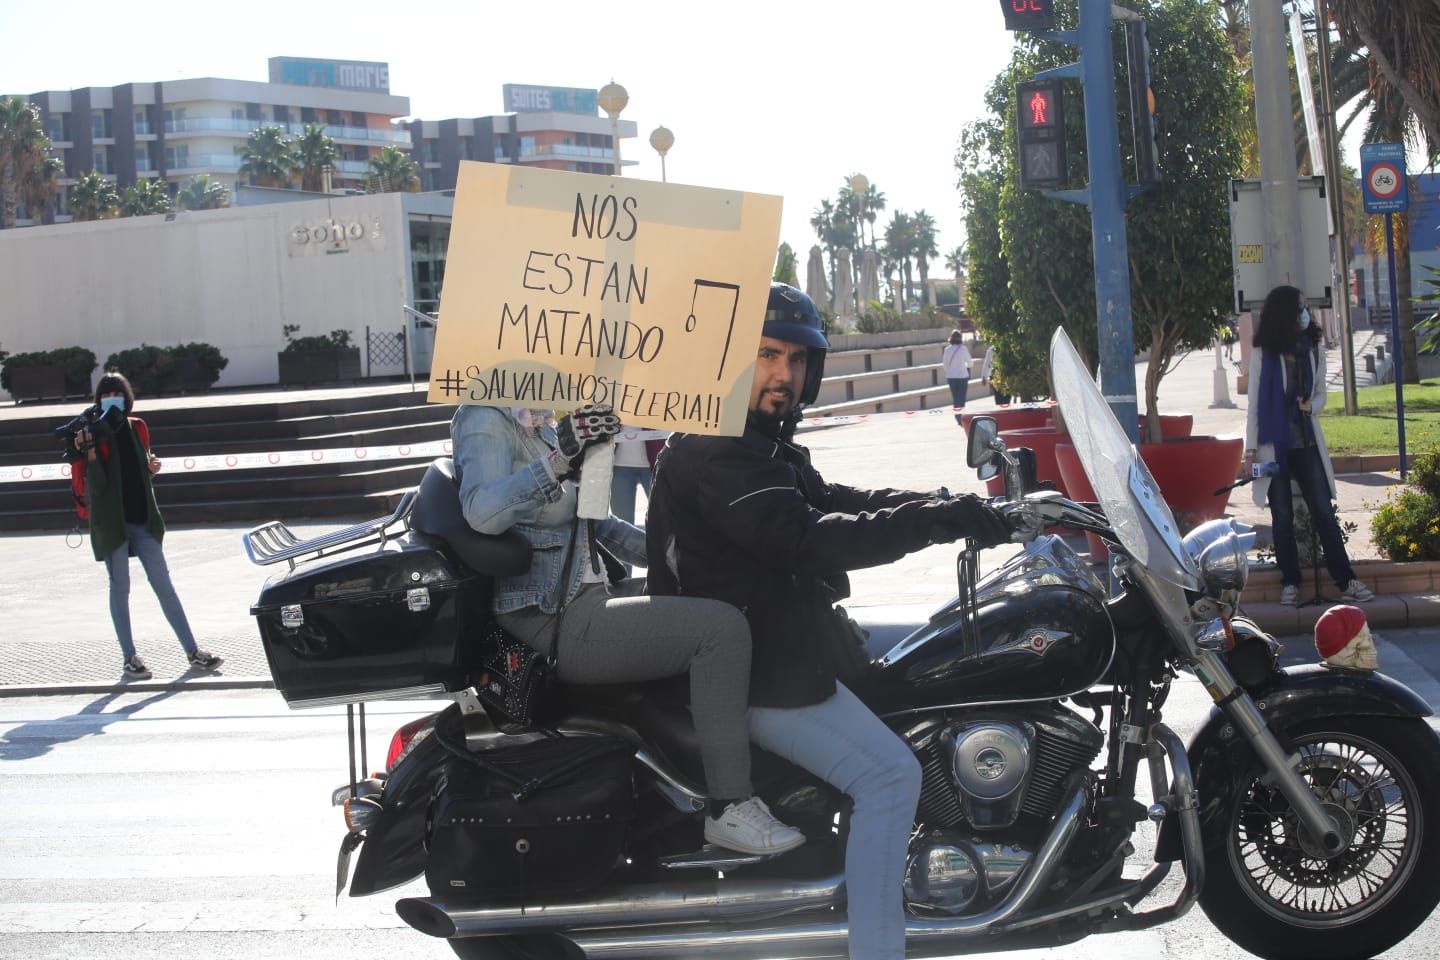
(612, 100)
(662, 140)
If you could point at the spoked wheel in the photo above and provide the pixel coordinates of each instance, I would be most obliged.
(1271, 889)
(543, 946)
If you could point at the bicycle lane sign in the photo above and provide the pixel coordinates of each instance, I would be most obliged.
(1382, 177)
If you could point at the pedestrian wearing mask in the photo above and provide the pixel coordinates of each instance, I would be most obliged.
(125, 521)
(1283, 436)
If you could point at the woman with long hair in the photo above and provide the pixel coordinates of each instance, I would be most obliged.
(1287, 384)
(125, 521)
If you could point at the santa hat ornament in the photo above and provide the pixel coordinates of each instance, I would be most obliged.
(1342, 637)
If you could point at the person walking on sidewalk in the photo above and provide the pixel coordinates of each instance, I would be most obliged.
(125, 520)
(1287, 368)
(957, 362)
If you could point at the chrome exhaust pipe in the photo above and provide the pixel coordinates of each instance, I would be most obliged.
(627, 907)
(629, 910)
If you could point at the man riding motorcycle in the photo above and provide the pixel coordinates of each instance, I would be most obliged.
(749, 521)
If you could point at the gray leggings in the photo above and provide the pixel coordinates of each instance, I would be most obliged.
(619, 639)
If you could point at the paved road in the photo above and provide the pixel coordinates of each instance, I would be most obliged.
(197, 824)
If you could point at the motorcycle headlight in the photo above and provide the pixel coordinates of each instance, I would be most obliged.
(1219, 548)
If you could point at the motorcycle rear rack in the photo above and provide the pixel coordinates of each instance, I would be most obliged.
(274, 541)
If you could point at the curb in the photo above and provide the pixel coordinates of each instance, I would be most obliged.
(193, 685)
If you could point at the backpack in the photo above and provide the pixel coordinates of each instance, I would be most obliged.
(77, 467)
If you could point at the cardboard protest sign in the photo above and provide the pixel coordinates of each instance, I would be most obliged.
(563, 289)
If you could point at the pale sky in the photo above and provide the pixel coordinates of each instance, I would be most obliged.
(782, 97)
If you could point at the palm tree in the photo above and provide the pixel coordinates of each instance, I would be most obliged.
(23, 145)
(202, 193)
(145, 197)
(955, 263)
(393, 171)
(93, 197)
(874, 203)
(40, 187)
(314, 151)
(1402, 39)
(900, 247)
(266, 158)
(1400, 102)
(924, 250)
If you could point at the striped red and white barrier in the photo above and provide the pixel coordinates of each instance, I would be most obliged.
(427, 450)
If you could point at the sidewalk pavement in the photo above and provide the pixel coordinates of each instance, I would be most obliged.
(57, 634)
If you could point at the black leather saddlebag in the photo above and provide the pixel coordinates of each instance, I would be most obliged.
(544, 819)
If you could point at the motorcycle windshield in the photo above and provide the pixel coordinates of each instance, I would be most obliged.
(1132, 502)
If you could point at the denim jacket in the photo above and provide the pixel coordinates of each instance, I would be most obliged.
(506, 483)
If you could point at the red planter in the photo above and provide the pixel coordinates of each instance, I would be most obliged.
(1188, 471)
(1016, 417)
(1172, 425)
(1043, 441)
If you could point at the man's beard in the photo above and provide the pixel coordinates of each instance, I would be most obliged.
(776, 425)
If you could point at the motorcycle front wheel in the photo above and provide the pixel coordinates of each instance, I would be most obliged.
(1271, 890)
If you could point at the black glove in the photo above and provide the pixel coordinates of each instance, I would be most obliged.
(583, 429)
(969, 516)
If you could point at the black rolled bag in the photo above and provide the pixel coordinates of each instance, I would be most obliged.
(544, 819)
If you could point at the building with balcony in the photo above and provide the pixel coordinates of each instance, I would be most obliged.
(558, 128)
(176, 129)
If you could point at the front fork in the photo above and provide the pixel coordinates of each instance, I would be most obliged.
(1240, 708)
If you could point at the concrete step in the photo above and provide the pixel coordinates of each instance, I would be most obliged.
(921, 398)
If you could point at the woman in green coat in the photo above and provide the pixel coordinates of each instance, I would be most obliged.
(125, 521)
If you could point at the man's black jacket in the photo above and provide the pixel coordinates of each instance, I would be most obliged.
(747, 520)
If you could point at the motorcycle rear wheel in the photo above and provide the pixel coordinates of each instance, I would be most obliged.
(543, 946)
(1268, 889)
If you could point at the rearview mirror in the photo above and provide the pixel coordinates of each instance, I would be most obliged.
(983, 432)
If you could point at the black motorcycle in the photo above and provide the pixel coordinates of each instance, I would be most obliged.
(1304, 812)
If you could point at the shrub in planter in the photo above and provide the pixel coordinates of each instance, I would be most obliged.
(317, 359)
(77, 364)
(155, 370)
(198, 364)
(1407, 525)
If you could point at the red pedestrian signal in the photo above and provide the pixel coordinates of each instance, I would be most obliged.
(1040, 108)
(1028, 14)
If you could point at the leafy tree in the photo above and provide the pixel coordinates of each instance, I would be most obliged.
(313, 151)
(1178, 231)
(145, 197)
(267, 159)
(202, 193)
(93, 197)
(785, 266)
(983, 172)
(23, 146)
(393, 170)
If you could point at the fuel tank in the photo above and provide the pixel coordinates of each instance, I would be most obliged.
(1036, 641)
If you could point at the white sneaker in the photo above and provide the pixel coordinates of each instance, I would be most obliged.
(1290, 595)
(749, 827)
(1357, 591)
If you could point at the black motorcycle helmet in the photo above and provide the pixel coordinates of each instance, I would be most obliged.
(791, 316)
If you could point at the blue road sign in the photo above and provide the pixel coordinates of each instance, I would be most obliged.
(1382, 177)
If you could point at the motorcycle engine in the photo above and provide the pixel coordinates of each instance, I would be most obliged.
(987, 770)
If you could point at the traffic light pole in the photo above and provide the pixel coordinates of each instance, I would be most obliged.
(1105, 195)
